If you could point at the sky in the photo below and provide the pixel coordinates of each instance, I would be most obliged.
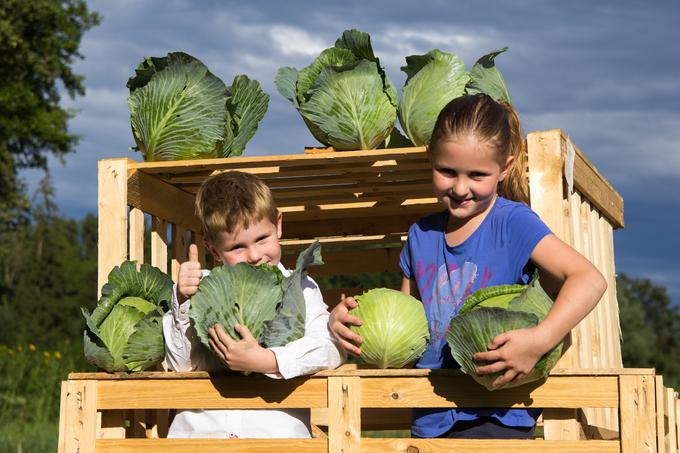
(605, 72)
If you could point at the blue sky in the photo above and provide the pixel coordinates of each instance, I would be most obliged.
(606, 72)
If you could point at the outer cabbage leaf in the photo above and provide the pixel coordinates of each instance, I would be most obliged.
(286, 83)
(433, 80)
(131, 303)
(180, 112)
(486, 78)
(243, 294)
(394, 330)
(491, 311)
(350, 107)
(289, 323)
(246, 106)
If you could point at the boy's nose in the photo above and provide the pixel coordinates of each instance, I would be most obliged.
(254, 256)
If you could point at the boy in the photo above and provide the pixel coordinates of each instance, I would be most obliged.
(241, 224)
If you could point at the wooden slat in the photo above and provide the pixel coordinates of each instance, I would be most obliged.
(112, 217)
(486, 446)
(659, 396)
(161, 199)
(638, 422)
(672, 435)
(179, 250)
(159, 243)
(445, 391)
(353, 262)
(210, 445)
(344, 397)
(200, 244)
(217, 393)
(79, 414)
(397, 224)
(137, 236)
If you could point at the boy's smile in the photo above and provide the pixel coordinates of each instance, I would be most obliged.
(256, 244)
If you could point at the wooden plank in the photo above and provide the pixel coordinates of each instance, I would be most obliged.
(462, 391)
(156, 197)
(159, 243)
(659, 396)
(358, 210)
(344, 413)
(137, 236)
(200, 244)
(677, 423)
(611, 288)
(395, 224)
(179, 250)
(251, 392)
(112, 217)
(485, 446)
(352, 262)
(211, 445)
(78, 417)
(671, 443)
(638, 422)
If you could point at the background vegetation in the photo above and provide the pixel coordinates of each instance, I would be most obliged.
(48, 262)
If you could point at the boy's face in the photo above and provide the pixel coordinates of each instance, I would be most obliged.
(257, 244)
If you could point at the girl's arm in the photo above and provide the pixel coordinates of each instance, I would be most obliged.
(517, 351)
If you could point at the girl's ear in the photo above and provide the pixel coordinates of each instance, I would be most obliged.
(505, 169)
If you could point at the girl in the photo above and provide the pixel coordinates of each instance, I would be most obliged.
(483, 239)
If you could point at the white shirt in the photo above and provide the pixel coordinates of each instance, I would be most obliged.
(313, 352)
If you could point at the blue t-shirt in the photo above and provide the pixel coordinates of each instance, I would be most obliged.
(497, 253)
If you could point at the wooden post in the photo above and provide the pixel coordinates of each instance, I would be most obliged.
(638, 421)
(78, 417)
(113, 220)
(344, 414)
(179, 250)
(159, 243)
(659, 396)
(669, 411)
(137, 236)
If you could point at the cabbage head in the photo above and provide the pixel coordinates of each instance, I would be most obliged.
(125, 330)
(394, 329)
(436, 78)
(344, 97)
(491, 311)
(180, 110)
(259, 297)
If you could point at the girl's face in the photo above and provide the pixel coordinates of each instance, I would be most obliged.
(465, 174)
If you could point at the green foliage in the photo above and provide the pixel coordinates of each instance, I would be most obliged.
(39, 41)
(650, 326)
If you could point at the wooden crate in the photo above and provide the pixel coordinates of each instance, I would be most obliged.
(359, 204)
(93, 405)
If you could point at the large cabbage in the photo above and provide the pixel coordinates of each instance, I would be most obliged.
(180, 110)
(344, 96)
(394, 329)
(125, 331)
(491, 311)
(259, 297)
(437, 77)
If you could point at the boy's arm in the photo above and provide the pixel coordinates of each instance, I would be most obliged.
(316, 350)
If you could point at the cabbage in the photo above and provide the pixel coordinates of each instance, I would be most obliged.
(259, 297)
(125, 331)
(491, 311)
(434, 79)
(180, 110)
(394, 329)
(344, 97)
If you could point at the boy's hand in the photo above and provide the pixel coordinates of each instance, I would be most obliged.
(516, 352)
(189, 276)
(337, 323)
(242, 355)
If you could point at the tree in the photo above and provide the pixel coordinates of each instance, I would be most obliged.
(39, 41)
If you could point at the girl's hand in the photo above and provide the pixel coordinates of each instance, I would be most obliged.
(242, 355)
(337, 323)
(516, 352)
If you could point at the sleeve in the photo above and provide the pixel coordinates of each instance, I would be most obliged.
(316, 350)
(525, 230)
(183, 348)
(405, 255)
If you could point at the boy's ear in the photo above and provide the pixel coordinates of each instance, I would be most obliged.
(507, 167)
(279, 223)
(213, 251)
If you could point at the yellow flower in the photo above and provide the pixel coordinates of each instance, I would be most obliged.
(57, 355)
(32, 347)
(20, 348)
(46, 354)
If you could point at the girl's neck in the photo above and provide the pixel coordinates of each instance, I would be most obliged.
(459, 230)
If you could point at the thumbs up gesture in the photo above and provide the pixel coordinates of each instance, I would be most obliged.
(189, 276)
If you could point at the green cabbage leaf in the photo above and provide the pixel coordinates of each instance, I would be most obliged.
(180, 110)
(486, 78)
(125, 330)
(394, 330)
(344, 97)
(491, 311)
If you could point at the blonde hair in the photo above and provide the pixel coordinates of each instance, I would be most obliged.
(233, 200)
(494, 122)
